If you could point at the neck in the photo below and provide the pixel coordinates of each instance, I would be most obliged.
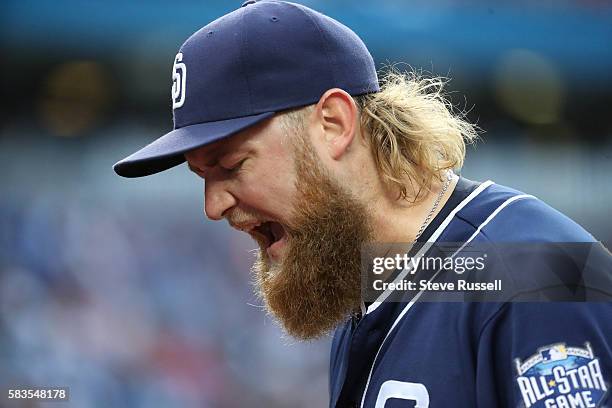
(401, 220)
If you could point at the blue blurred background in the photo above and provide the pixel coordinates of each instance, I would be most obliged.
(122, 291)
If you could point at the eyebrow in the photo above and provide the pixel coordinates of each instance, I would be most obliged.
(217, 154)
(210, 163)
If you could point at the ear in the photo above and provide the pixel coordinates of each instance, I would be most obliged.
(337, 116)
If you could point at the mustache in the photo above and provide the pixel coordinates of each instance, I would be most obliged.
(239, 218)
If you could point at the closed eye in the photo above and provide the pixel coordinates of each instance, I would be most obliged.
(234, 167)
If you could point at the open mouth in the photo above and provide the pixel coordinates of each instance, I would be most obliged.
(271, 233)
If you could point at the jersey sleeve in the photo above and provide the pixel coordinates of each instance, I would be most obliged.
(550, 355)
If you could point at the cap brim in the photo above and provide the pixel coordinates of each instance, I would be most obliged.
(167, 151)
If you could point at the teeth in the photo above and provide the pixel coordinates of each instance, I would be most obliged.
(271, 230)
(262, 229)
(249, 227)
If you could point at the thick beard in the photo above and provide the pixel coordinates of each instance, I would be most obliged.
(317, 284)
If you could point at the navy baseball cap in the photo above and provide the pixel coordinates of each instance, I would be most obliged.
(241, 69)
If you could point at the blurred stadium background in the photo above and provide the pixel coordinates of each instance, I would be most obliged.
(121, 290)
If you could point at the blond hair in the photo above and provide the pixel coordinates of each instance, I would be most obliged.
(414, 132)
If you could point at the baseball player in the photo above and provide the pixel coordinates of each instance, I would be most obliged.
(279, 110)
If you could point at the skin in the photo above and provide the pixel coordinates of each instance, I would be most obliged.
(328, 191)
(237, 173)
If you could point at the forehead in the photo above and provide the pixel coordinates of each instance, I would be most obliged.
(244, 140)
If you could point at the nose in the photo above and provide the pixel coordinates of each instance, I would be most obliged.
(217, 199)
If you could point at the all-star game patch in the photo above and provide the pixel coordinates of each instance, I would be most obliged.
(561, 377)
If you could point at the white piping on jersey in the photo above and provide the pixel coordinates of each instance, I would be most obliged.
(430, 241)
(409, 305)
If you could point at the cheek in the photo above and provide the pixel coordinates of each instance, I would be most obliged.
(271, 191)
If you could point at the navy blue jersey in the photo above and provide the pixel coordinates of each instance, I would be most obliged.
(479, 354)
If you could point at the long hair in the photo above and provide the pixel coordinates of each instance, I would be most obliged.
(413, 131)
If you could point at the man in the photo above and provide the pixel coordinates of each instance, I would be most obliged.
(280, 111)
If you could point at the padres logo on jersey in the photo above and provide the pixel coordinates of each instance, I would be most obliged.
(179, 75)
(561, 377)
